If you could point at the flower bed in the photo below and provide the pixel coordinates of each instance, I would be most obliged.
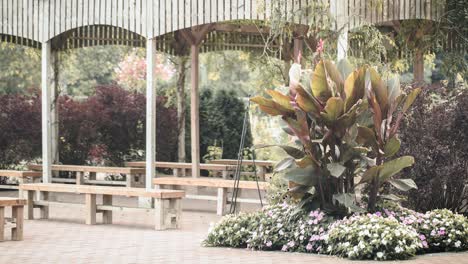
(394, 233)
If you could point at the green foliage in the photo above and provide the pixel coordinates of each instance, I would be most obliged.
(221, 120)
(20, 68)
(372, 237)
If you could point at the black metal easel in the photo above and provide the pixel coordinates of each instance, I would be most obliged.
(240, 158)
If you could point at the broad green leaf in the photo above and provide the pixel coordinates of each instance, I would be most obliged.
(380, 91)
(370, 174)
(354, 88)
(299, 127)
(291, 151)
(410, 99)
(392, 147)
(403, 184)
(324, 77)
(281, 99)
(303, 176)
(366, 137)
(284, 164)
(305, 161)
(345, 68)
(336, 169)
(348, 201)
(391, 197)
(333, 109)
(392, 167)
(271, 107)
(394, 89)
(306, 102)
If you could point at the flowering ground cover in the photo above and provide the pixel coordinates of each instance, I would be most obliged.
(393, 232)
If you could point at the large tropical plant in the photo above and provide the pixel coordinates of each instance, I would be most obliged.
(388, 105)
(338, 138)
(323, 119)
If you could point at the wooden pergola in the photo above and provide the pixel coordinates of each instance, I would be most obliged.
(178, 27)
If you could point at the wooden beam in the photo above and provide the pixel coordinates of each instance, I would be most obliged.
(150, 111)
(47, 83)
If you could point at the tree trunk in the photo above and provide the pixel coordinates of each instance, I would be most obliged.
(181, 106)
(418, 67)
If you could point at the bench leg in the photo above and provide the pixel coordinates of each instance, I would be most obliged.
(20, 192)
(44, 196)
(107, 215)
(90, 209)
(160, 214)
(222, 201)
(18, 215)
(30, 206)
(176, 208)
(2, 223)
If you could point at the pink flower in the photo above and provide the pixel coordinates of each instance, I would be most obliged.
(284, 248)
(309, 247)
(441, 232)
(422, 237)
(320, 46)
(269, 243)
(424, 243)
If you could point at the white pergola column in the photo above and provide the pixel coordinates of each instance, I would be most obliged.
(195, 111)
(150, 112)
(47, 84)
(342, 45)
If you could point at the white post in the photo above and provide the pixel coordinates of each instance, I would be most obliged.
(47, 84)
(150, 119)
(195, 112)
(342, 45)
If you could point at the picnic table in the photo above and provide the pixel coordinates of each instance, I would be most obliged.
(262, 165)
(178, 167)
(134, 176)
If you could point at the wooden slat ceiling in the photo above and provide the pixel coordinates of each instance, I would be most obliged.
(81, 23)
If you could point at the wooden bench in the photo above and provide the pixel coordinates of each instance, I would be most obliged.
(21, 176)
(178, 167)
(167, 208)
(133, 176)
(262, 165)
(16, 221)
(221, 184)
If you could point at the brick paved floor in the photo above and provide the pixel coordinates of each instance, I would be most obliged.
(66, 239)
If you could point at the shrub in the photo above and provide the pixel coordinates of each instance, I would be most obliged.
(435, 134)
(233, 230)
(372, 237)
(20, 128)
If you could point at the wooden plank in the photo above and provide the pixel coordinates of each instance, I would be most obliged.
(124, 170)
(143, 19)
(208, 182)
(20, 174)
(131, 11)
(10, 201)
(180, 165)
(264, 163)
(107, 215)
(119, 191)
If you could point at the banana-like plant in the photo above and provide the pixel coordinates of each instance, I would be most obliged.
(323, 117)
(388, 106)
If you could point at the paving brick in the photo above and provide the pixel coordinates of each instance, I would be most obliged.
(66, 239)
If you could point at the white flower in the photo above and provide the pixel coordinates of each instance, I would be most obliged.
(458, 244)
(380, 255)
(398, 249)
